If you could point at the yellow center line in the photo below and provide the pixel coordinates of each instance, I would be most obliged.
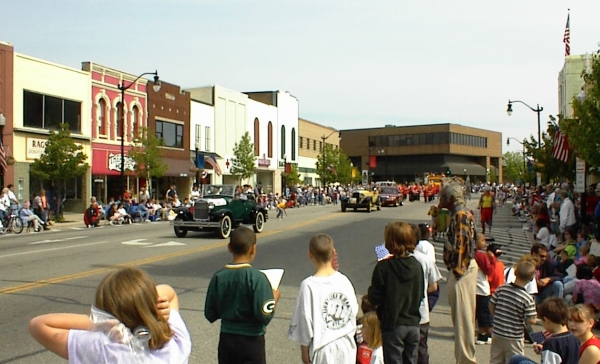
(88, 273)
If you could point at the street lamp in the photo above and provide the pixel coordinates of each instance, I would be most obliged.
(123, 88)
(198, 146)
(537, 110)
(283, 184)
(323, 161)
(382, 152)
(523, 144)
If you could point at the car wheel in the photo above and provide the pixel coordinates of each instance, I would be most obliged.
(343, 207)
(378, 205)
(180, 232)
(225, 227)
(355, 209)
(369, 207)
(259, 222)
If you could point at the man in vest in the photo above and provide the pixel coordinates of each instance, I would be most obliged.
(487, 208)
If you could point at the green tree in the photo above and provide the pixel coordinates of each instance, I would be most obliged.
(145, 152)
(341, 170)
(61, 161)
(513, 168)
(582, 131)
(292, 178)
(243, 162)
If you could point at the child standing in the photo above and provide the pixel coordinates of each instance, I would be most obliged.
(562, 347)
(581, 323)
(397, 289)
(511, 306)
(242, 298)
(372, 335)
(486, 261)
(497, 278)
(324, 320)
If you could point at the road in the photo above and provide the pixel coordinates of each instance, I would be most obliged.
(58, 271)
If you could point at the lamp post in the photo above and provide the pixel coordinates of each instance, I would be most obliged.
(523, 144)
(2, 124)
(283, 175)
(323, 161)
(198, 145)
(123, 88)
(382, 152)
(537, 110)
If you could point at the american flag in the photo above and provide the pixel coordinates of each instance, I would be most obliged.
(381, 252)
(332, 169)
(567, 38)
(3, 158)
(560, 147)
(210, 159)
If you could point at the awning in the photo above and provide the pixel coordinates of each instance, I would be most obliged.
(178, 167)
(437, 164)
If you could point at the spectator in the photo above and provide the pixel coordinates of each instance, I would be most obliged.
(486, 262)
(581, 322)
(549, 284)
(91, 217)
(143, 210)
(27, 216)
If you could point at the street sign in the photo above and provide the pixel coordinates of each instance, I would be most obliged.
(579, 175)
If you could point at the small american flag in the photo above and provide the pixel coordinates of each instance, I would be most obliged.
(210, 159)
(3, 158)
(381, 252)
(560, 147)
(332, 169)
(567, 38)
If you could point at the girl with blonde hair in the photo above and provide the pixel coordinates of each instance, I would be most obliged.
(581, 323)
(371, 330)
(132, 321)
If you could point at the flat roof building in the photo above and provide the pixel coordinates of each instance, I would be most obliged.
(409, 153)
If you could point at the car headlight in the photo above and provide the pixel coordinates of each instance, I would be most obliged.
(211, 206)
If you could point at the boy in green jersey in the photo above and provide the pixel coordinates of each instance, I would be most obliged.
(241, 296)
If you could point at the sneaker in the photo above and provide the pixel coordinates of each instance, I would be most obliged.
(483, 339)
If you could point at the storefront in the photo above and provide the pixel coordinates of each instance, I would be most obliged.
(106, 172)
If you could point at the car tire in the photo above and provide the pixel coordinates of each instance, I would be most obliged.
(180, 232)
(369, 207)
(259, 222)
(225, 227)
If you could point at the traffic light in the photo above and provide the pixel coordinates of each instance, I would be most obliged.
(448, 173)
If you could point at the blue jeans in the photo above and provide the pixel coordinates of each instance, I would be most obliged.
(520, 359)
(554, 289)
(144, 214)
(401, 344)
(279, 212)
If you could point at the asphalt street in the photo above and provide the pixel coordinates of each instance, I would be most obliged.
(58, 270)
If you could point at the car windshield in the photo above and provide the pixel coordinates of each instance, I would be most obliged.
(226, 190)
(389, 190)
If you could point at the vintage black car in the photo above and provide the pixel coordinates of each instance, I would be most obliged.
(222, 209)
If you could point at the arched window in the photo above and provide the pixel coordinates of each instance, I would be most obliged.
(119, 118)
(135, 120)
(101, 117)
(256, 136)
(293, 143)
(270, 140)
(282, 141)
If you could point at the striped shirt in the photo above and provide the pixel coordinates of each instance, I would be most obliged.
(512, 306)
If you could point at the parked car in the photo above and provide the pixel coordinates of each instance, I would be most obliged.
(221, 209)
(390, 196)
(364, 199)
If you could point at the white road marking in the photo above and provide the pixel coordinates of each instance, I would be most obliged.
(170, 243)
(51, 249)
(56, 240)
(136, 242)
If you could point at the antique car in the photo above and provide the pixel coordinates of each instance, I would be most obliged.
(390, 196)
(364, 199)
(221, 209)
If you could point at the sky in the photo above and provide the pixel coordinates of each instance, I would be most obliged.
(351, 64)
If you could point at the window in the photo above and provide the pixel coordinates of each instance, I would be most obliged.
(314, 144)
(270, 140)
(293, 143)
(198, 141)
(47, 112)
(256, 136)
(101, 117)
(207, 138)
(171, 133)
(135, 120)
(301, 142)
(282, 141)
(119, 119)
(320, 145)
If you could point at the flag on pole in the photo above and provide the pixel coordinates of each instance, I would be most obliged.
(210, 159)
(3, 165)
(560, 147)
(567, 38)
(332, 169)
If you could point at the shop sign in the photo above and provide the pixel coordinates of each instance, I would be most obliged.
(114, 162)
(36, 147)
(264, 162)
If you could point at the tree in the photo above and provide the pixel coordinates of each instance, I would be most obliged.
(292, 178)
(61, 161)
(146, 154)
(513, 168)
(582, 131)
(333, 166)
(243, 162)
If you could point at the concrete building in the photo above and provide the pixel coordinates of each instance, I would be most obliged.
(570, 82)
(409, 153)
(312, 137)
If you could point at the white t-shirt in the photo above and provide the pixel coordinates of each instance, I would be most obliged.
(95, 347)
(425, 247)
(432, 274)
(325, 312)
(530, 287)
(377, 356)
(543, 236)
